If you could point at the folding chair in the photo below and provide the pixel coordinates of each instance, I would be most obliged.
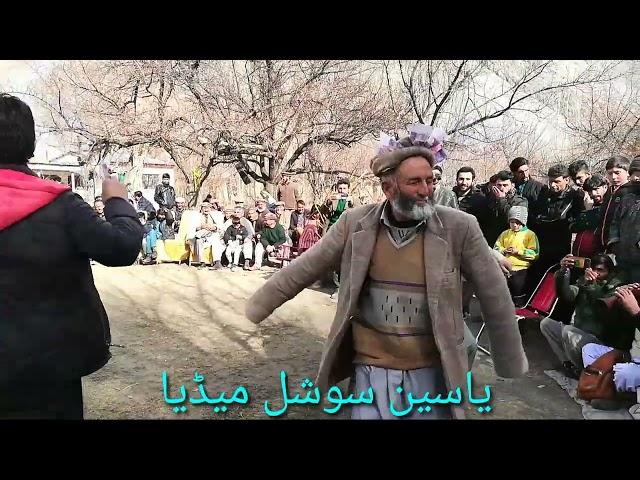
(541, 304)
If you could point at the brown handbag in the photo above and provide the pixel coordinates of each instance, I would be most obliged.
(596, 380)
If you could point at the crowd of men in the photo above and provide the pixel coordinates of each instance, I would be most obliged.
(576, 214)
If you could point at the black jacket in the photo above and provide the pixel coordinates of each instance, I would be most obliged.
(165, 196)
(476, 204)
(531, 190)
(610, 204)
(556, 212)
(232, 232)
(624, 231)
(52, 322)
(145, 205)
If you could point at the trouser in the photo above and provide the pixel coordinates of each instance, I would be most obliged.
(201, 245)
(385, 384)
(516, 283)
(42, 399)
(234, 249)
(259, 254)
(566, 341)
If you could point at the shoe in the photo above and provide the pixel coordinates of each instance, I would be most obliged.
(254, 268)
(234, 268)
(217, 266)
(246, 265)
(570, 370)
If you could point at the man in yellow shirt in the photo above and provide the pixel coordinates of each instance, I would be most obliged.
(520, 246)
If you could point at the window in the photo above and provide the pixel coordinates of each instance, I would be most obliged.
(150, 180)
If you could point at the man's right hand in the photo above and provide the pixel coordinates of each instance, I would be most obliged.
(567, 261)
(498, 193)
(113, 188)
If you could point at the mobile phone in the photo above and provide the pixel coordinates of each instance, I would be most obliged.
(344, 195)
(581, 262)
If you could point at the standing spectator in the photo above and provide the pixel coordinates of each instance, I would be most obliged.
(288, 194)
(441, 194)
(617, 168)
(527, 187)
(503, 196)
(624, 233)
(181, 206)
(587, 242)
(579, 172)
(558, 206)
(54, 329)
(470, 199)
(98, 207)
(165, 194)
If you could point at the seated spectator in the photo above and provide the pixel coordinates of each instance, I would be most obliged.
(441, 194)
(247, 242)
(599, 281)
(228, 213)
(270, 238)
(627, 373)
(98, 206)
(520, 247)
(587, 243)
(141, 204)
(149, 240)
(311, 232)
(181, 206)
(209, 234)
(165, 224)
(257, 216)
(299, 218)
(234, 238)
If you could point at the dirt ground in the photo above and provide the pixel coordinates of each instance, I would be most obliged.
(179, 319)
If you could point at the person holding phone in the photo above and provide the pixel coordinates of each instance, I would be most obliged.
(54, 329)
(600, 280)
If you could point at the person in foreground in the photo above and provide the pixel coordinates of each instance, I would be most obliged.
(53, 327)
(399, 320)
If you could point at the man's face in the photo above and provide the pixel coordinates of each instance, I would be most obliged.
(261, 206)
(411, 191)
(271, 223)
(238, 212)
(558, 184)
(279, 210)
(437, 177)
(99, 207)
(181, 205)
(617, 176)
(165, 181)
(343, 189)
(300, 208)
(285, 179)
(505, 186)
(137, 197)
(597, 194)
(601, 271)
(236, 223)
(634, 176)
(581, 177)
(464, 181)
(522, 174)
(161, 217)
(206, 209)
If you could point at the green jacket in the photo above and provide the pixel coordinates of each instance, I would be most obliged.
(273, 236)
(616, 332)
